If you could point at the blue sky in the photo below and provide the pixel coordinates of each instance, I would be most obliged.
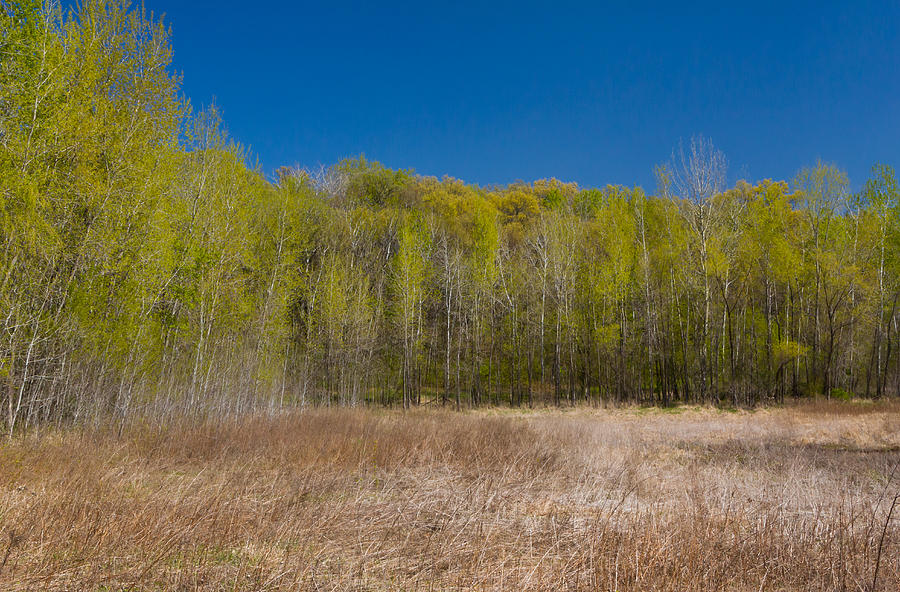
(492, 92)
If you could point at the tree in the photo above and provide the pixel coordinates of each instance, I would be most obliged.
(410, 274)
(821, 193)
(698, 175)
(883, 198)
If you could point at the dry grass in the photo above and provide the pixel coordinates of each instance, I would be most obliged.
(790, 499)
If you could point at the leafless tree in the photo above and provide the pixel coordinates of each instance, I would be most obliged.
(698, 175)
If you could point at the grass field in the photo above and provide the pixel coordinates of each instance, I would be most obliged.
(634, 499)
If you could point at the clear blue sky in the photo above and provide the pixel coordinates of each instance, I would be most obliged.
(491, 92)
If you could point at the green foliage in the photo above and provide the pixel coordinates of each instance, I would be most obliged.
(785, 351)
(371, 184)
(841, 394)
(518, 209)
(145, 267)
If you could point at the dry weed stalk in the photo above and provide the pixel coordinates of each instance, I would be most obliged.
(365, 500)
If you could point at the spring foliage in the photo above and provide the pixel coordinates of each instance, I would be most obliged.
(146, 269)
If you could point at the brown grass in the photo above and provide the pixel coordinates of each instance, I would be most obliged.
(790, 499)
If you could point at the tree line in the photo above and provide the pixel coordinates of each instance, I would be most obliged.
(148, 268)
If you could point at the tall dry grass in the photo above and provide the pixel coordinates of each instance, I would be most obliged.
(791, 499)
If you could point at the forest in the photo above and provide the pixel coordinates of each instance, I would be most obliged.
(149, 268)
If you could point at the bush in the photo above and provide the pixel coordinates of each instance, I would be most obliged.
(839, 393)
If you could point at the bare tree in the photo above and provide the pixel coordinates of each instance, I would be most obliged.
(328, 181)
(698, 176)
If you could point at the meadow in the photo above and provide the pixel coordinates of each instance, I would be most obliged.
(793, 498)
(220, 373)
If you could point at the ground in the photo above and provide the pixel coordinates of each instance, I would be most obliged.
(793, 498)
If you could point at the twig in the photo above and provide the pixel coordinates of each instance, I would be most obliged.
(881, 542)
(13, 540)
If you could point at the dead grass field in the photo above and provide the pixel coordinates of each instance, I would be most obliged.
(782, 499)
